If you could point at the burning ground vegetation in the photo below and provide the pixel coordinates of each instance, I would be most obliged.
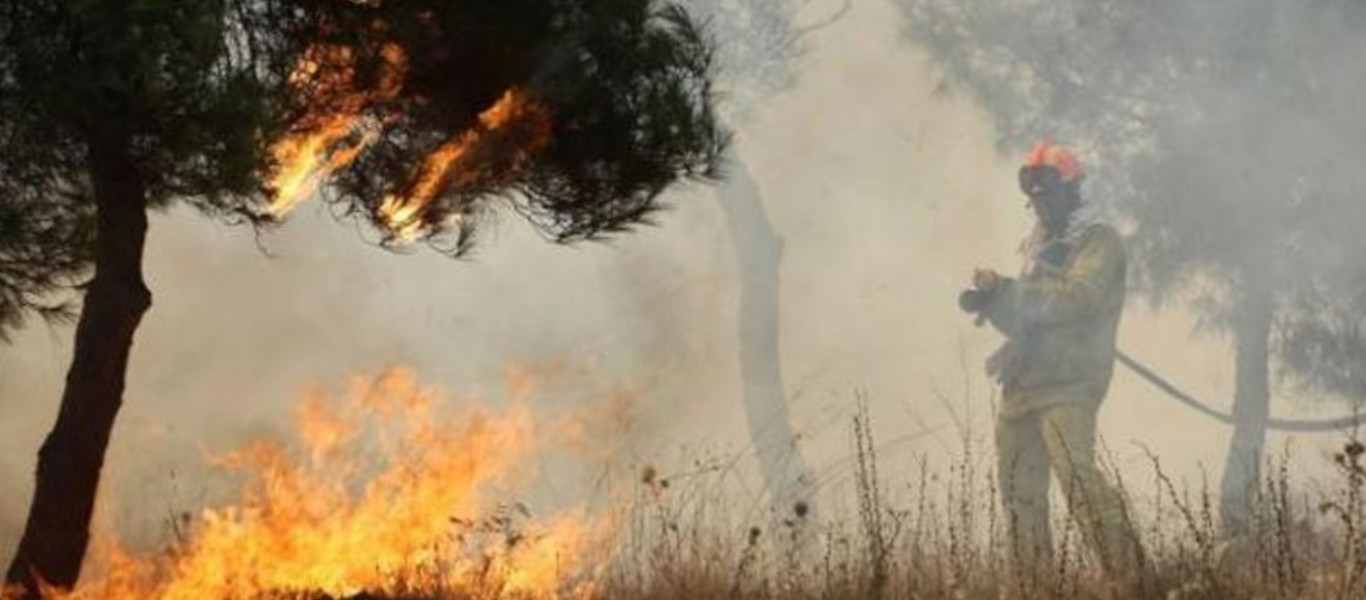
(377, 494)
(383, 493)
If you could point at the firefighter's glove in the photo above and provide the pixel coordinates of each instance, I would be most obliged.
(973, 301)
(985, 283)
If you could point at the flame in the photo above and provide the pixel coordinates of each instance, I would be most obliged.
(403, 214)
(306, 160)
(332, 140)
(323, 519)
(328, 141)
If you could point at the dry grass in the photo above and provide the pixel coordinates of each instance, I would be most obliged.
(682, 541)
(948, 544)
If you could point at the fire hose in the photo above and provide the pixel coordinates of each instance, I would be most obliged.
(1294, 425)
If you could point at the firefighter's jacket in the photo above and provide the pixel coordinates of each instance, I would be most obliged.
(1060, 318)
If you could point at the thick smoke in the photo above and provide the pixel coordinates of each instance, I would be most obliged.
(886, 190)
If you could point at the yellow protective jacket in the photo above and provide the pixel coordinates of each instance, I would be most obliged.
(1060, 318)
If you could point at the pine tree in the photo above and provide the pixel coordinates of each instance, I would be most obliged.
(422, 116)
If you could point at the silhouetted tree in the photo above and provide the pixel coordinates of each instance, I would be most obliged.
(1227, 134)
(109, 109)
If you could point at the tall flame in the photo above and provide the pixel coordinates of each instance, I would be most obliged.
(330, 141)
(306, 159)
(322, 519)
(446, 166)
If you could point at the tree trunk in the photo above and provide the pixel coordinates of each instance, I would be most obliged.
(758, 253)
(1251, 407)
(69, 463)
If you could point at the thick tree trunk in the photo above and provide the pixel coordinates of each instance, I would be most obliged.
(758, 254)
(1251, 407)
(72, 456)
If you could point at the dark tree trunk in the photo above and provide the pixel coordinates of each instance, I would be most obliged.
(1251, 407)
(758, 254)
(72, 456)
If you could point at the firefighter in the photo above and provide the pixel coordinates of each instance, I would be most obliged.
(1059, 318)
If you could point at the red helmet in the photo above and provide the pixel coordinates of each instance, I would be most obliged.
(1062, 159)
(1048, 165)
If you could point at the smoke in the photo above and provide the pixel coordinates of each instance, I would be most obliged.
(886, 190)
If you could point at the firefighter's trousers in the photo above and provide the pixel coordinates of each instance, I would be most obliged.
(1060, 440)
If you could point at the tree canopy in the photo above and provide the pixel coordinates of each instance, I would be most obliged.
(204, 91)
(611, 102)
